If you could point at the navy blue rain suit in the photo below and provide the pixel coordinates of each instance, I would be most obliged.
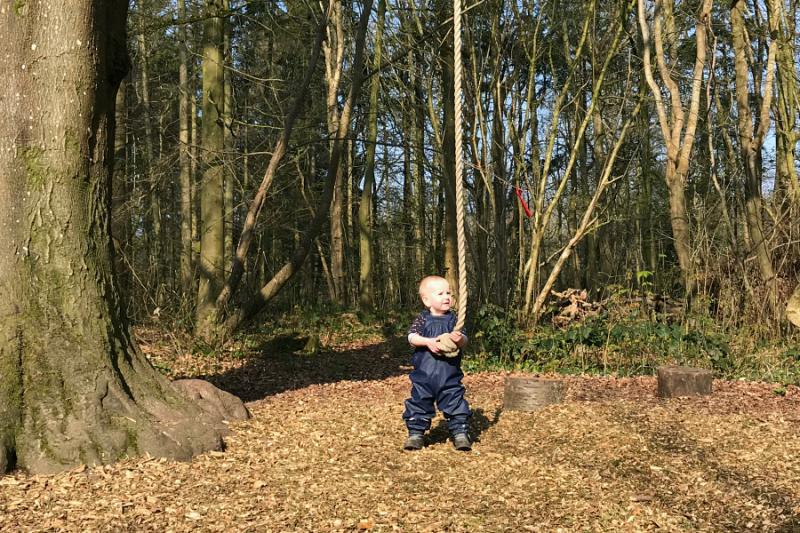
(435, 379)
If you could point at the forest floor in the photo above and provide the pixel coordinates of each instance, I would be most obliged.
(323, 453)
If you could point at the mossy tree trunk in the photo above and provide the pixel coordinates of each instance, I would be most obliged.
(73, 386)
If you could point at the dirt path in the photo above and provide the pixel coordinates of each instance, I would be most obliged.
(322, 453)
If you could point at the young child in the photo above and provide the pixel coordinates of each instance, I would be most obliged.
(436, 378)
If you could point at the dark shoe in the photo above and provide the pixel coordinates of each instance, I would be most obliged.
(414, 442)
(461, 442)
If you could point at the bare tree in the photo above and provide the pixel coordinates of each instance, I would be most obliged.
(678, 124)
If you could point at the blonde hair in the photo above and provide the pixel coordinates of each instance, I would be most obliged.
(423, 284)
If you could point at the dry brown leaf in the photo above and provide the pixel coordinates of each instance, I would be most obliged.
(365, 524)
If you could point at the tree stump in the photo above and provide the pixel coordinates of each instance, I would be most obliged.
(532, 394)
(676, 381)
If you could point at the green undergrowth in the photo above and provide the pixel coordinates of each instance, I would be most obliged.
(627, 344)
(619, 342)
(334, 326)
(305, 331)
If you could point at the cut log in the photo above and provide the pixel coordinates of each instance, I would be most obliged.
(676, 381)
(532, 394)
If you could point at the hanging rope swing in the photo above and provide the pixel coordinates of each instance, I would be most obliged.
(462, 241)
(448, 347)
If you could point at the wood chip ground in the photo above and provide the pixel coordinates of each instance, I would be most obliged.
(323, 453)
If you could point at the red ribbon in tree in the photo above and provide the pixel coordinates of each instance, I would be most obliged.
(523, 203)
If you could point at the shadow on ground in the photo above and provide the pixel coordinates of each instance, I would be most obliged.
(671, 438)
(281, 365)
(477, 425)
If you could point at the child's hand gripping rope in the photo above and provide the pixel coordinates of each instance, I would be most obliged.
(447, 344)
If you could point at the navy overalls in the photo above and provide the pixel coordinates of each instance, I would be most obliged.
(435, 379)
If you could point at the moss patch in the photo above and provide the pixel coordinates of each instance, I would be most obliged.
(35, 168)
(20, 8)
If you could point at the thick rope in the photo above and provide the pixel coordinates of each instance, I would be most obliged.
(462, 242)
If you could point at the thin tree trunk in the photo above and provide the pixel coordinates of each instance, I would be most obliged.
(334, 66)
(788, 107)
(421, 255)
(679, 141)
(152, 194)
(587, 220)
(289, 269)
(644, 209)
(120, 194)
(500, 293)
(595, 238)
(541, 214)
(254, 210)
(751, 141)
(212, 235)
(229, 161)
(184, 116)
(194, 151)
(449, 169)
(365, 207)
(305, 192)
(787, 134)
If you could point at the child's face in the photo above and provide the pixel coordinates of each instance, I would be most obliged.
(436, 296)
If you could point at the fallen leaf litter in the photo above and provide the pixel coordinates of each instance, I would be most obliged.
(323, 453)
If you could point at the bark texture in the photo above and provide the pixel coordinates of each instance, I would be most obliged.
(73, 386)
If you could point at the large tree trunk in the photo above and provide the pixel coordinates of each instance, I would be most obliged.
(73, 386)
(212, 235)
